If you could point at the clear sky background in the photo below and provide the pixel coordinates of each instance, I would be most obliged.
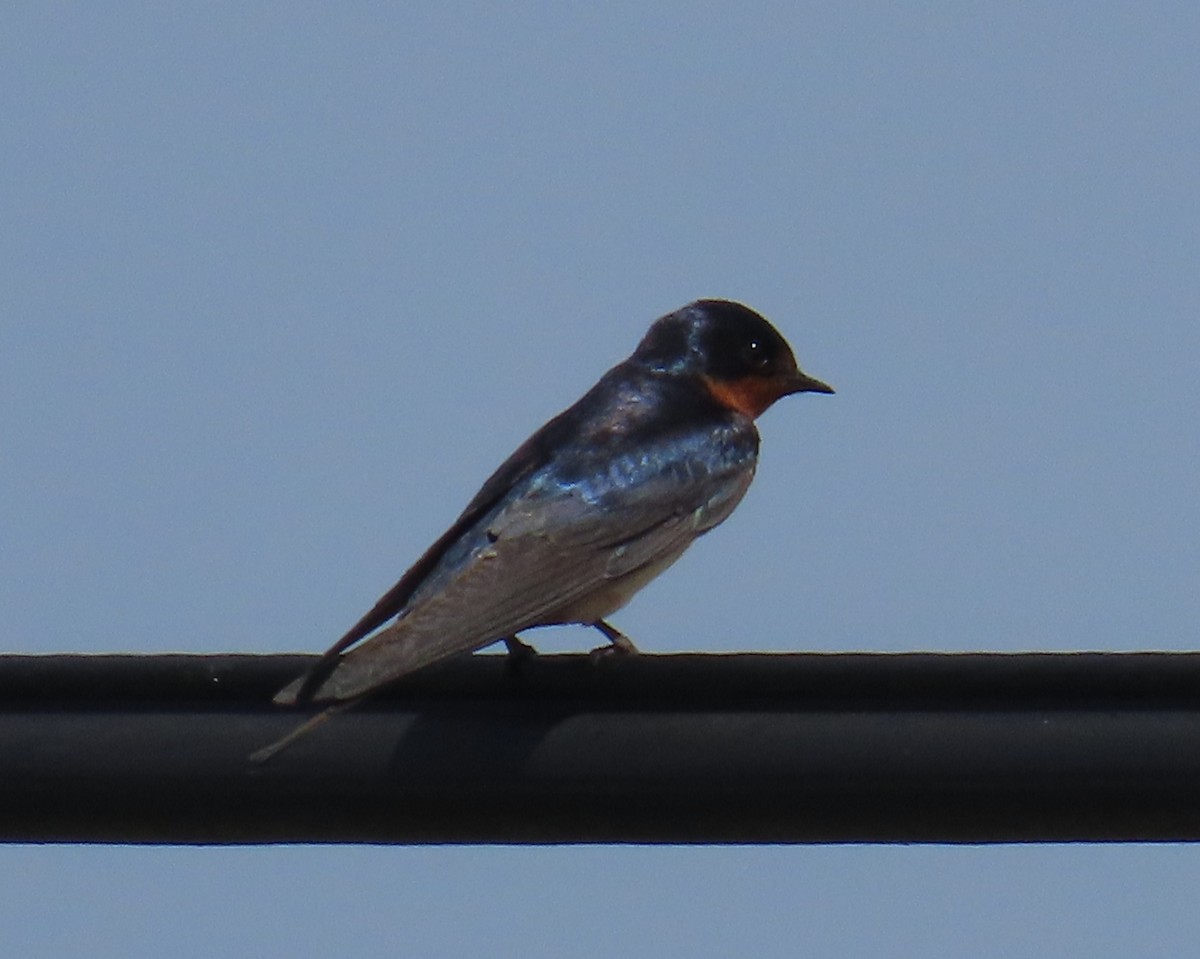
(282, 283)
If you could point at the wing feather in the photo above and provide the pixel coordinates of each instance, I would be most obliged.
(540, 557)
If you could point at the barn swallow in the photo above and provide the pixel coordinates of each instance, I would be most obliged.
(595, 504)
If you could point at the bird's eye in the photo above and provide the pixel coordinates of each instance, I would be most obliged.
(755, 353)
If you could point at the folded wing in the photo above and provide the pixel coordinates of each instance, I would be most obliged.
(544, 555)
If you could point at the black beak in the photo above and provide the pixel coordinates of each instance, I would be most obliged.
(800, 382)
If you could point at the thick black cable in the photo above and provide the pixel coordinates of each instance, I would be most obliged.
(690, 748)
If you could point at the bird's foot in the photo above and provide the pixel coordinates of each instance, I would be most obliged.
(620, 644)
(518, 652)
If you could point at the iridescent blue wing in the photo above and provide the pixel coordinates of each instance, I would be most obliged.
(563, 549)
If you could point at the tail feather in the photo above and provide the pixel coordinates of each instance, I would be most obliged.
(392, 653)
(267, 753)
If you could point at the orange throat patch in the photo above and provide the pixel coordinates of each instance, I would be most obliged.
(748, 395)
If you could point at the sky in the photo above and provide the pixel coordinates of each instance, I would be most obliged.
(283, 283)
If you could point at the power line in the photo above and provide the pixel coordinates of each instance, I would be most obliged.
(687, 748)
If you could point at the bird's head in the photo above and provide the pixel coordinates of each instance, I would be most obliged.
(740, 357)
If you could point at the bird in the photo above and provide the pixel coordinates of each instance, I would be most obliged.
(594, 505)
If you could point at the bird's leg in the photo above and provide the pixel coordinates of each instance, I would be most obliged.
(518, 651)
(621, 644)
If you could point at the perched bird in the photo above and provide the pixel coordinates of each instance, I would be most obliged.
(589, 509)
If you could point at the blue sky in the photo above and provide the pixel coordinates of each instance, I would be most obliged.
(284, 282)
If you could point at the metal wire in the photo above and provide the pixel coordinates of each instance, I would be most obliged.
(648, 749)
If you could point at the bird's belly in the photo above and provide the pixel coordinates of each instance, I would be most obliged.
(613, 594)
